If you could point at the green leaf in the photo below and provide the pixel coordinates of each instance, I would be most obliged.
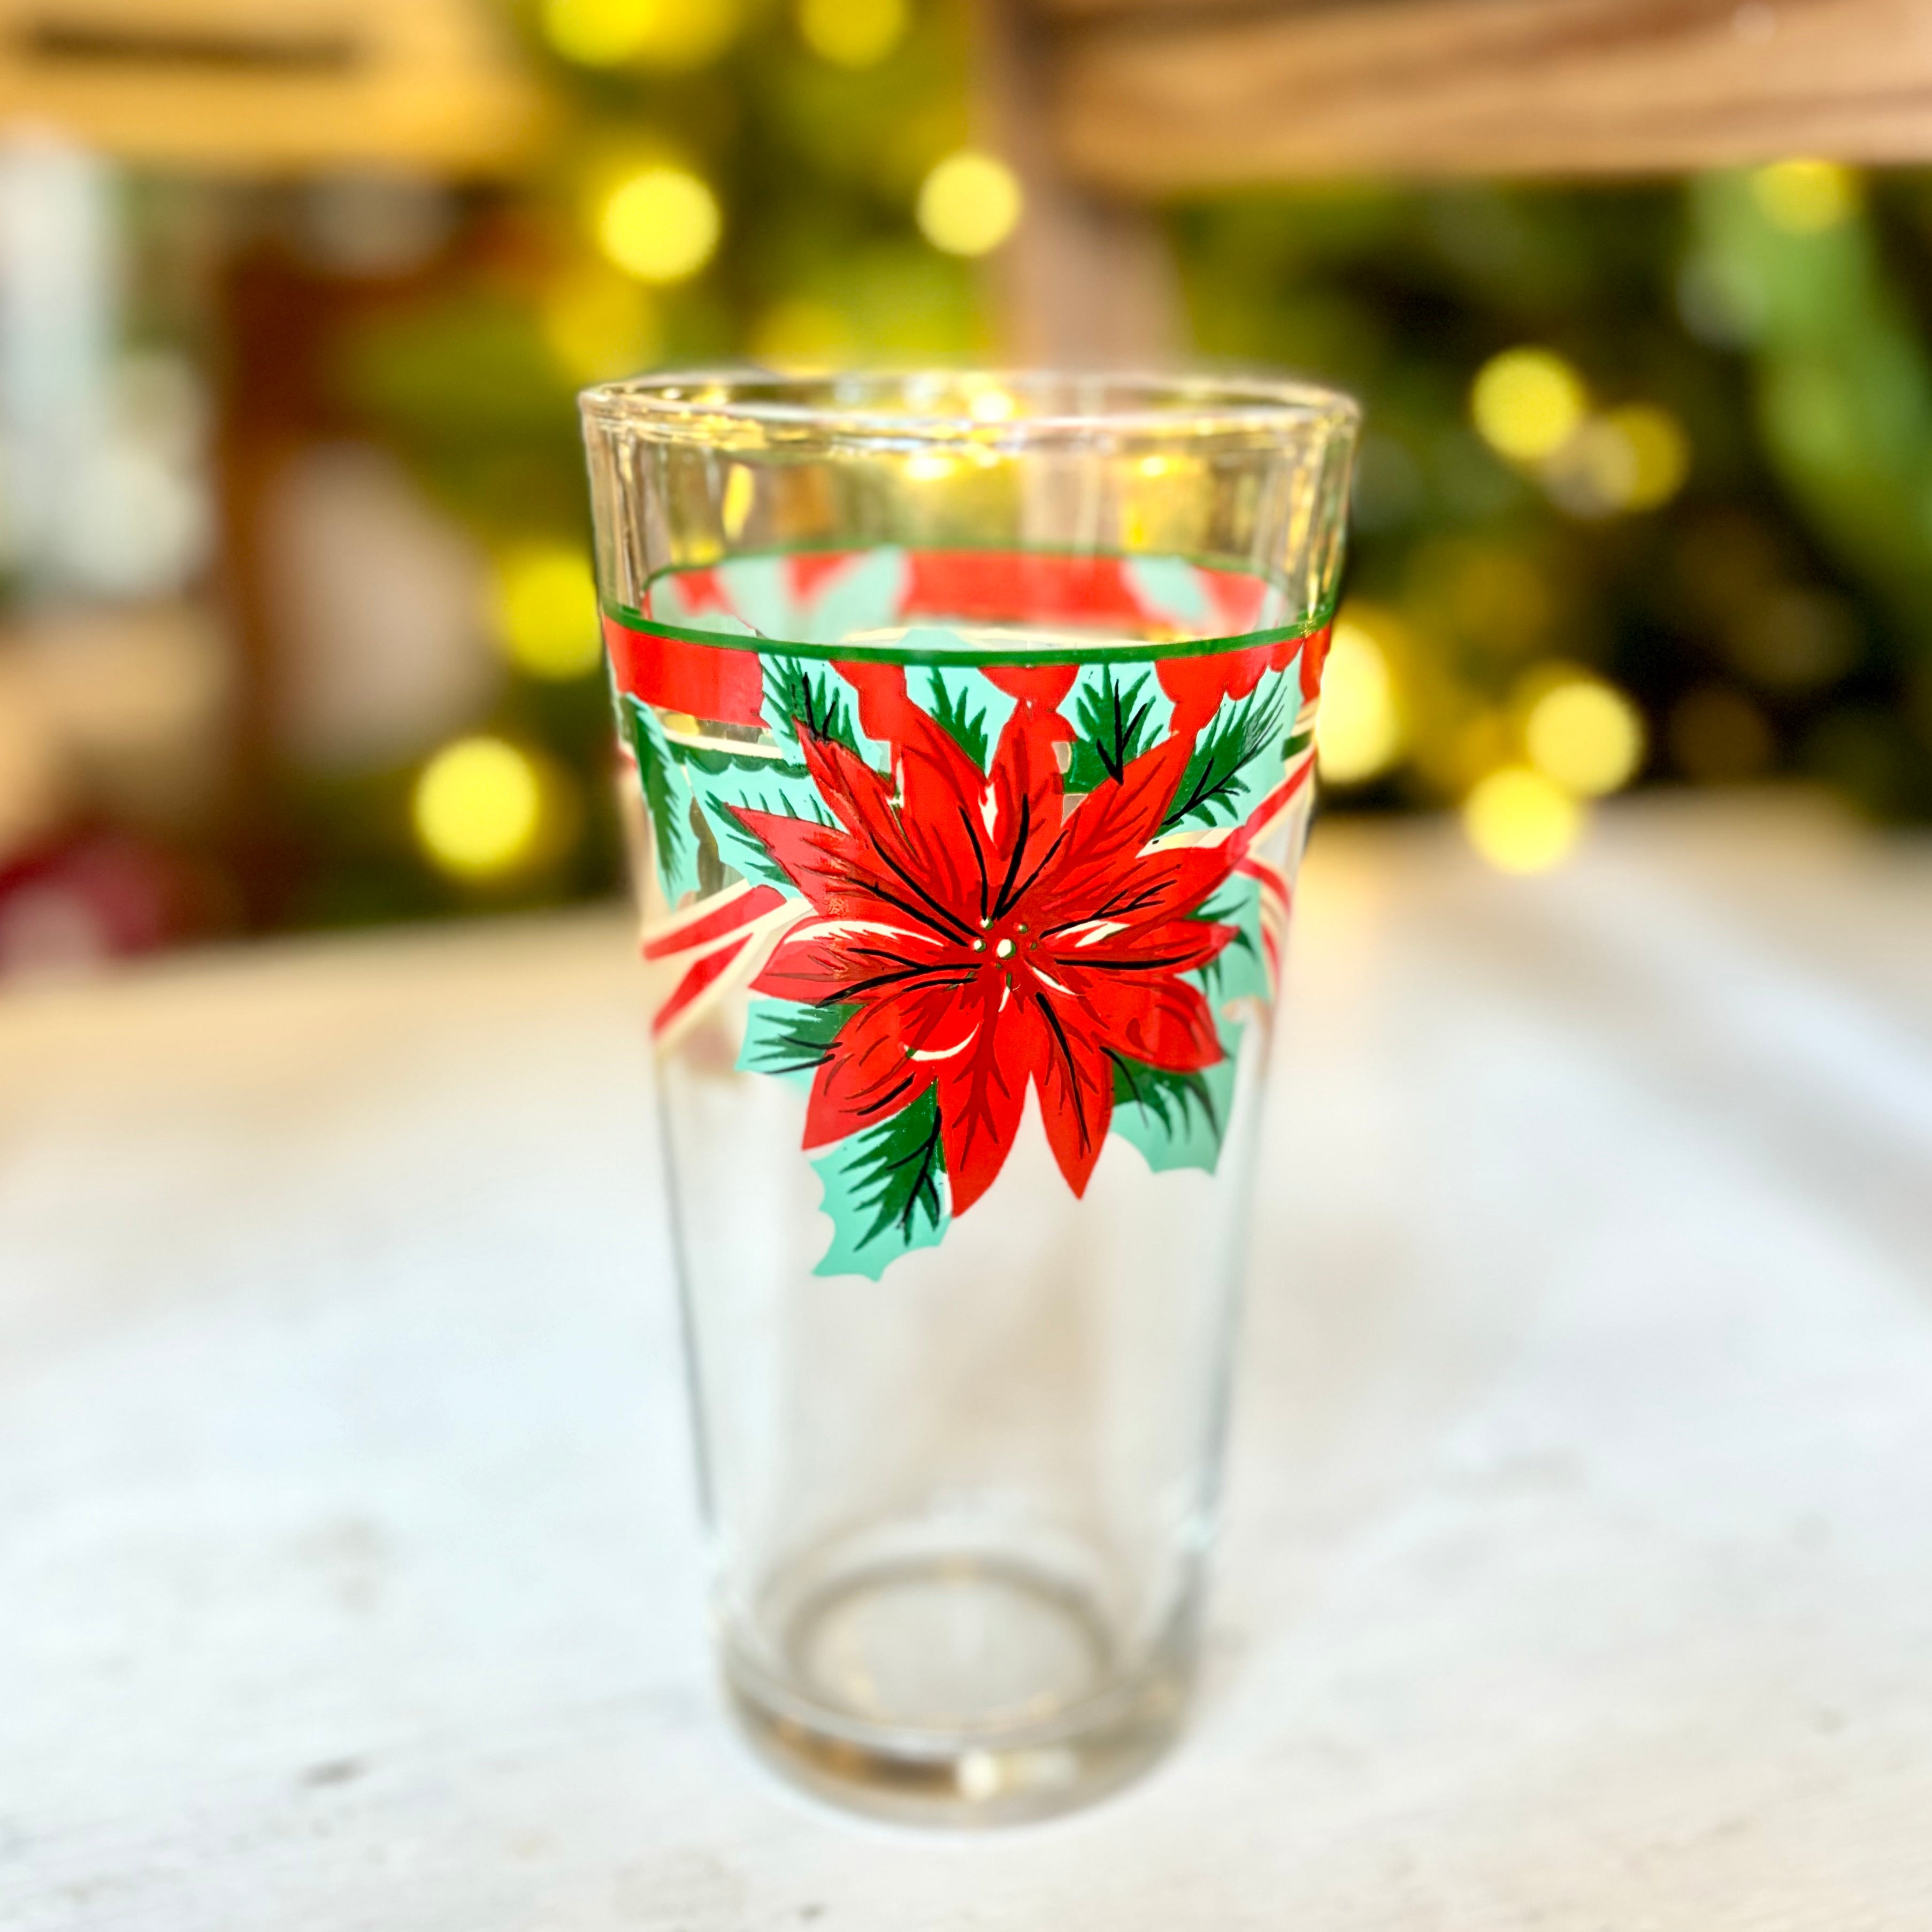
(1240, 970)
(1176, 1119)
(953, 712)
(789, 1039)
(723, 781)
(667, 800)
(1119, 714)
(799, 692)
(885, 1191)
(1238, 760)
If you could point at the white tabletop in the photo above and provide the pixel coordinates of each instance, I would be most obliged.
(1578, 1570)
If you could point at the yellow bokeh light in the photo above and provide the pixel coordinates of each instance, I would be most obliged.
(969, 203)
(1528, 403)
(852, 33)
(1358, 729)
(1586, 735)
(477, 808)
(596, 33)
(547, 610)
(1659, 454)
(1521, 822)
(741, 492)
(930, 467)
(1632, 458)
(655, 33)
(1806, 197)
(993, 405)
(597, 325)
(661, 224)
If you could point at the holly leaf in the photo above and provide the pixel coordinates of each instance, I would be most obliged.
(1176, 1119)
(790, 1039)
(667, 801)
(1237, 760)
(724, 780)
(886, 1192)
(1118, 714)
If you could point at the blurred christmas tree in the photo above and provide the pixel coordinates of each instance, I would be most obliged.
(1646, 493)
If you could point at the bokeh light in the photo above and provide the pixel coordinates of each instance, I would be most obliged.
(675, 34)
(477, 808)
(741, 493)
(547, 610)
(1358, 729)
(930, 467)
(1586, 735)
(597, 324)
(1521, 821)
(969, 203)
(1527, 403)
(852, 33)
(661, 224)
(1806, 197)
(1632, 458)
(1659, 454)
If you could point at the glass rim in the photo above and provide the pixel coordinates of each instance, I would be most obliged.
(894, 407)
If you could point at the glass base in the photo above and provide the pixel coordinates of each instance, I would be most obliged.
(956, 1689)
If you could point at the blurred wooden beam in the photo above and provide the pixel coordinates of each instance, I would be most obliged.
(234, 86)
(1087, 280)
(1153, 103)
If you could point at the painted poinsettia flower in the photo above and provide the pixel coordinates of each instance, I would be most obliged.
(983, 932)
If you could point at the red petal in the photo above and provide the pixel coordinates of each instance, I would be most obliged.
(1029, 803)
(873, 869)
(1158, 887)
(1175, 946)
(1074, 1080)
(1149, 1017)
(869, 1074)
(1096, 860)
(982, 1091)
(819, 961)
(944, 814)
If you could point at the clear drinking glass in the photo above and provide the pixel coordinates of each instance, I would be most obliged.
(971, 719)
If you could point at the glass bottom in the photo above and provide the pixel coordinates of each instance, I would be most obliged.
(957, 1689)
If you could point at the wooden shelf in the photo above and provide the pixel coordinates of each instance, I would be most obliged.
(225, 87)
(1186, 96)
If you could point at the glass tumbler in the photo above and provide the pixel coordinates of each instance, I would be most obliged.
(968, 724)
